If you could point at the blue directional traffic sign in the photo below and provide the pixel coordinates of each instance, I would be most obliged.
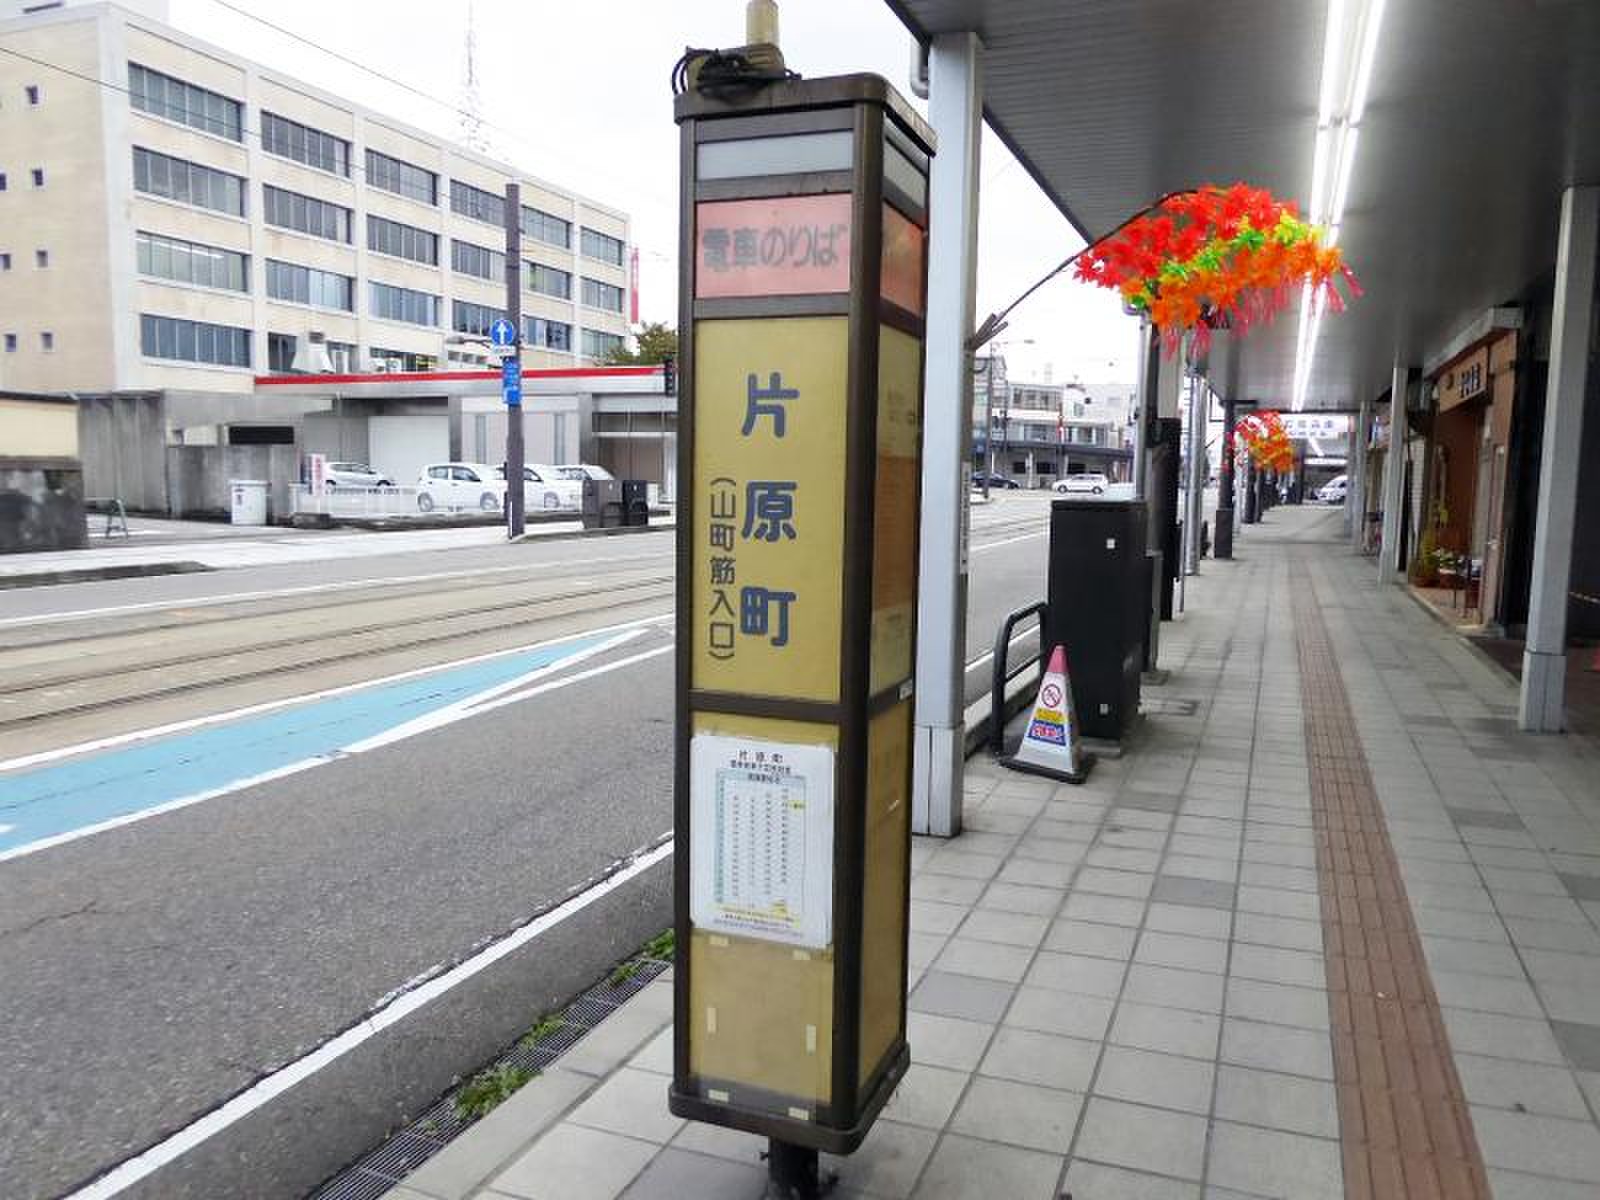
(511, 381)
(502, 333)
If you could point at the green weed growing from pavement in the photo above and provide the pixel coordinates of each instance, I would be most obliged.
(488, 1089)
(539, 1032)
(624, 973)
(661, 946)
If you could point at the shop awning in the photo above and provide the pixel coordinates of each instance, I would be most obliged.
(1479, 113)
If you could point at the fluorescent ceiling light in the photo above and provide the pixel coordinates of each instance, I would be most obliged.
(1319, 174)
(1369, 51)
(1347, 162)
(1332, 47)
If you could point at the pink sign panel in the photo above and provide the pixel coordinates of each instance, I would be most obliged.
(783, 246)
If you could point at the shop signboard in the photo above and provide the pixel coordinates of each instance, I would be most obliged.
(804, 275)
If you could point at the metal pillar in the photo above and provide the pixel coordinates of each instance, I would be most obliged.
(1199, 410)
(1145, 405)
(1390, 568)
(1222, 538)
(956, 111)
(1355, 505)
(1541, 708)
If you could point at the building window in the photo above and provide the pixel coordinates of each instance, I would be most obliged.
(190, 262)
(600, 345)
(405, 360)
(38, 177)
(280, 353)
(602, 295)
(194, 341)
(307, 214)
(466, 317)
(477, 260)
(5, 260)
(468, 201)
(11, 343)
(549, 281)
(595, 244)
(47, 341)
(403, 241)
(308, 285)
(402, 304)
(2, 181)
(31, 91)
(402, 178)
(342, 356)
(163, 96)
(187, 182)
(546, 227)
(41, 258)
(290, 139)
(552, 335)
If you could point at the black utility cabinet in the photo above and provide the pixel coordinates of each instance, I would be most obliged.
(1098, 593)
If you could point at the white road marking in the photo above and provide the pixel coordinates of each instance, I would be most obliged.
(1021, 537)
(346, 585)
(139, 735)
(385, 1014)
(411, 729)
(987, 655)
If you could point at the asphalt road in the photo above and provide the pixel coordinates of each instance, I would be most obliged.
(153, 969)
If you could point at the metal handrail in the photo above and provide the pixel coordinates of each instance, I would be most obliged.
(1002, 676)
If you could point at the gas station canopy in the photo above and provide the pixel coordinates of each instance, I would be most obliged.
(1476, 114)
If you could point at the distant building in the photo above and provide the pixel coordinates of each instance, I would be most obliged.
(1038, 432)
(195, 220)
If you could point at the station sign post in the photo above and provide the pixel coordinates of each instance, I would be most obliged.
(803, 251)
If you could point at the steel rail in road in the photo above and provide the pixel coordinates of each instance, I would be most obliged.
(452, 628)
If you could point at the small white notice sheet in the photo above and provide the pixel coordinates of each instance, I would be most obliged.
(761, 848)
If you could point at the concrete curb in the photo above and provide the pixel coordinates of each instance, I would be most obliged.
(96, 574)
(609, 531)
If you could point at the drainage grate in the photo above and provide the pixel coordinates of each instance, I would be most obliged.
(382, 1169)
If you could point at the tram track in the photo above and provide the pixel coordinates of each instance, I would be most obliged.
(373, 641)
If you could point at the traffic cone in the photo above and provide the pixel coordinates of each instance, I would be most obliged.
(1050, 743)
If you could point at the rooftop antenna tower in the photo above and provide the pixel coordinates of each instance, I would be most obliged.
(472, 134)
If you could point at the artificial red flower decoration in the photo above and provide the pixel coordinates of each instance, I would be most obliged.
(1215, 257)
(1266, 440)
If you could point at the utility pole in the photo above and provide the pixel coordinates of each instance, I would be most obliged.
(511, 366)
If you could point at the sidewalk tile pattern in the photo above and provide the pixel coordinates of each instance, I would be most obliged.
(1406, 1127)
(1121, 990)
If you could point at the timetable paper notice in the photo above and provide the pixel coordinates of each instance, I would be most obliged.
(761, 854)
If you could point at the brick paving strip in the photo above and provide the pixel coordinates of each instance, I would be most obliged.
(1404, 1124)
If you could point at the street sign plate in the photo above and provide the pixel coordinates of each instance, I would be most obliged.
(502, 333)
(511, 381)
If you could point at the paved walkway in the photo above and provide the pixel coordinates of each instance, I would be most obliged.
(1333, 934)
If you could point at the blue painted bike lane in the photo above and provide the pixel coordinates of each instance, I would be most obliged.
(52, 801)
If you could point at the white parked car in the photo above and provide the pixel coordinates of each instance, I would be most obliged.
(460, 485)
(355, 475)
(582, 471)
(543, 487)
(1335, 490)
(1088, 482)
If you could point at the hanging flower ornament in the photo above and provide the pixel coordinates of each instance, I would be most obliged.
(1215, 258)
(1267, 441)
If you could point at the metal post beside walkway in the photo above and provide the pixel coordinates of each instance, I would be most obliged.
(1542, 705)
(955, 110)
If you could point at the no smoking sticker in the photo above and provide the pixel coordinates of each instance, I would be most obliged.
(1050, 696)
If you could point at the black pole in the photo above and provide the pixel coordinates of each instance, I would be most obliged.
(514, 451)
(1252, 512)
(792, 1172)
(1222, 539)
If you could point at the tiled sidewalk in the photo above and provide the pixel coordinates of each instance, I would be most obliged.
(1120, 989)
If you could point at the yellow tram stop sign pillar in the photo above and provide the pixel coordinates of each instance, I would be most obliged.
(804, 235)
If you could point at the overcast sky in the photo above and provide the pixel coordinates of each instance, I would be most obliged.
(577, 92)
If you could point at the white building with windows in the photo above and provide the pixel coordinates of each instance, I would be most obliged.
(173, 216)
